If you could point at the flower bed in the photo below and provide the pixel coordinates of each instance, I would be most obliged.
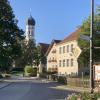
(83, 96)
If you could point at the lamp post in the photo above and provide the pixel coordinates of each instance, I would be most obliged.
(91, 47)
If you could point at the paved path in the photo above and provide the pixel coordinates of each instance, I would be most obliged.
(33, 90)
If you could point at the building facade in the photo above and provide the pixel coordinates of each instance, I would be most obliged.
(43, 49)
(52, 65)
(67, 61)
(63, 56)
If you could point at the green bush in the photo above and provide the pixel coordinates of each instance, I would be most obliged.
(34, 72)
(29, 71)
(43, 75)
(62, 79)
(1, 76)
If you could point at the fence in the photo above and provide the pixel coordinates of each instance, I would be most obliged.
(78, 82)
(81, 82)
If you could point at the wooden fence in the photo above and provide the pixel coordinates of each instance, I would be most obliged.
(78, 82)
(81, 82)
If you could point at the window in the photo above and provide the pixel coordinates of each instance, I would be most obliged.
(59, 63)
(63, 49)
(63, 63)
(71, 62)
(67, 48)
(71, 47)
(60, 50)
(29, 32)
(67, 63)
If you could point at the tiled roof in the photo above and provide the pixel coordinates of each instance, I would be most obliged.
(72, 36)
(56, 41)
(44, 47)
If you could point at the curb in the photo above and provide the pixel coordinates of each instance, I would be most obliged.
(72, 89)
(77, 90)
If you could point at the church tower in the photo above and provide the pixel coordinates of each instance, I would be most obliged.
(30, 29)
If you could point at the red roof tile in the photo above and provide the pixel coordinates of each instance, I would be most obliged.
(44, 47)
(72, 36)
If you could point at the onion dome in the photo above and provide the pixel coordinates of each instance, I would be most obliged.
(30, 21)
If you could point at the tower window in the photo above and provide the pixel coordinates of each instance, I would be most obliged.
(29, 32)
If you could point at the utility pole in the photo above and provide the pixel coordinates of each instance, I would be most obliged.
(91, 47)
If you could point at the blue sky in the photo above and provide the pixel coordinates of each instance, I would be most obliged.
(55, 19)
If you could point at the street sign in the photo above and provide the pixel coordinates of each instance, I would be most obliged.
(97, 72)
(76, 52)
(84, 37)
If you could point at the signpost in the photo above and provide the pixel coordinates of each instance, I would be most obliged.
(91, 47)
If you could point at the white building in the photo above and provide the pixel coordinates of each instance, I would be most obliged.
(63, 56)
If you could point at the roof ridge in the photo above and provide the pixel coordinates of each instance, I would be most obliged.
(73, 36)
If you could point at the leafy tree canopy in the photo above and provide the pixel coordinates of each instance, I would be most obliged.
(85, 30)
(10, 36)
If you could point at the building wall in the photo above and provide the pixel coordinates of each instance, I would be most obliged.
(66, 61)
(52, 59)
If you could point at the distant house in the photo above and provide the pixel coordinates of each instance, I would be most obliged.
(62, 56)
(43, 49)
(51, 54)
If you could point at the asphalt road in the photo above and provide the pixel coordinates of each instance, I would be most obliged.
(32, 90)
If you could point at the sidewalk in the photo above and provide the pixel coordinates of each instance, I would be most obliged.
(72, 88)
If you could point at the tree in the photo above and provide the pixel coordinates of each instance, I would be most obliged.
(29, 53)
(85, 30)
(10, 36)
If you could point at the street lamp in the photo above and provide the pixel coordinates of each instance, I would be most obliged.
(91, 47)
